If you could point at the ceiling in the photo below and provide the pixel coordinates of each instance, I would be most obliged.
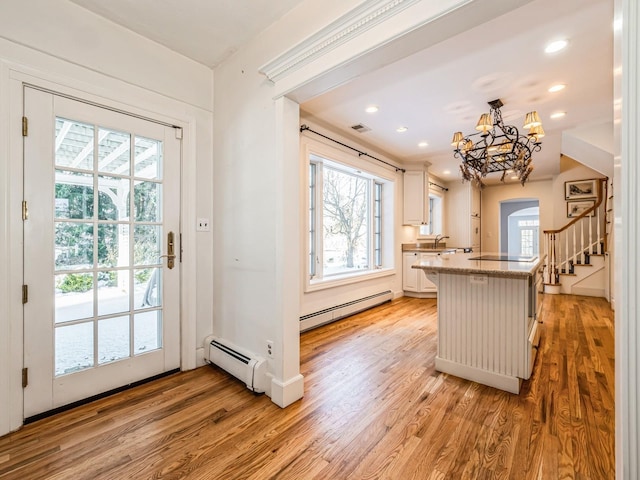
(435, 92)
(207, 31)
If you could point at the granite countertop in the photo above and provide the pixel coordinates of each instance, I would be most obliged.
(467, 263)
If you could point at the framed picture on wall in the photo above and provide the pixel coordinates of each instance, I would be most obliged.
(580, 189)
(575, 209)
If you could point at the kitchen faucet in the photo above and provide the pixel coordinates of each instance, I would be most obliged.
(438, 238)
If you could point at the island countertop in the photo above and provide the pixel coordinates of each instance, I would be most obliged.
(468, 263)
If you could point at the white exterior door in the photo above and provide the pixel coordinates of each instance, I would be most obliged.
(102, 190)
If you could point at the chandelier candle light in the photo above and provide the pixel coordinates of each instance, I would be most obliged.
(500, 147)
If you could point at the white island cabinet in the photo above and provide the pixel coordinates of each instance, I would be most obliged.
(414, 283)
(487, 326)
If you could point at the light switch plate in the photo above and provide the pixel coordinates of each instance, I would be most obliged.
(202, 225)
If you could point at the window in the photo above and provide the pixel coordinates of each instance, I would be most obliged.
(435, 225)
(346, 220)
(528, 244)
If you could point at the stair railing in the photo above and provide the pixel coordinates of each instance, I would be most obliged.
(575, 242)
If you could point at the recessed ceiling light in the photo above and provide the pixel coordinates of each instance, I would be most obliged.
(371, 109)
(617, 71)
(557, 87)
(514, 178)
(401, 129)
(423, 144)
(556, 46)
(446, 172)
(557, 115)
(509, 171)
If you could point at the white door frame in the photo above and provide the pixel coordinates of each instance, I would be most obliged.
(118, 96)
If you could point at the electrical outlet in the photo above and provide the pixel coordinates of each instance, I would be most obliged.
(202, 225)
(270, 348)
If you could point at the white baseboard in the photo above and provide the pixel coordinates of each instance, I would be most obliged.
(284, 394)
(496, 380)
(421, 294)
(588, 291)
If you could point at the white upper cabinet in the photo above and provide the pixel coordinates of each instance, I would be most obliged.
(416, 198)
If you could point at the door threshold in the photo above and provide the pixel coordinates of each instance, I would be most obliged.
(69, 406)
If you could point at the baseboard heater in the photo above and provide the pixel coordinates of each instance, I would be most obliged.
(331, 314)
(240, 363)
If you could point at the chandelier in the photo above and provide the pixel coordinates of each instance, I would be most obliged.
(500, 147)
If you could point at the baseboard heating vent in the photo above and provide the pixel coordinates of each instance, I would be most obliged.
(240, 363)
(331, 314)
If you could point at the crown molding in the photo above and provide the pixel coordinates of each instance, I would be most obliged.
(345, 28)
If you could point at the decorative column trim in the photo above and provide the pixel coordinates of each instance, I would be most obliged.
(627, 236)
(354, 23)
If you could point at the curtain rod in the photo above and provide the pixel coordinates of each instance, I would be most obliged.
(360, 154)
(439, 186)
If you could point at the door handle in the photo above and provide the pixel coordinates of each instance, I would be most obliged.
(171, 251)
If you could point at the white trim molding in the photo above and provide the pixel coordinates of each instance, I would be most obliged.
(285, 393)
(627, 238)
(354, 23)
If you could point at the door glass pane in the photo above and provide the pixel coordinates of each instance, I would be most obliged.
(74, 348)
(113, 245)
(147, 160)
(147, 246)
(74, 245)
(113, 339)
(147, 201)
(102, 245)
(148, 288)
(147, 331)
(74, 144)
(73, 296)
(74, 195)
(113, 198)
(114, 152)
(113, 292)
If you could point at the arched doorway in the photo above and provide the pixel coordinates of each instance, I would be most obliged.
(520, 227)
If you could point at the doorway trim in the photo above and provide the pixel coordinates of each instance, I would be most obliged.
(114, 94)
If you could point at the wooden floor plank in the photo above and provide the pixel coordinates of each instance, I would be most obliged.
(374, 407)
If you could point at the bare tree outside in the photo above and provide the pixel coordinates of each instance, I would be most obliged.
(345, 199)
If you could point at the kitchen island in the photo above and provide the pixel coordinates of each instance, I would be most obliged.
(488, 309)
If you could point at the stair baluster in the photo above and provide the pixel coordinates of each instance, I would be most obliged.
(561, 259)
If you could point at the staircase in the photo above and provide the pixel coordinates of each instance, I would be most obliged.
(577, 259)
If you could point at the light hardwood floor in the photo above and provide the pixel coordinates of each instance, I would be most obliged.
(374, 407)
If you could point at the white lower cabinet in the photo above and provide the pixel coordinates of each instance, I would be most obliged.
(414, 281)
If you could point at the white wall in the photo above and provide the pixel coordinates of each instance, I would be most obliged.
(61, 46)
(256, 190)
(550, 193)
(66, 31)
(493, 195)
(569, 170)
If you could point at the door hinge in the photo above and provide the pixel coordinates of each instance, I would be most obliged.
(25, 126)
(180, 248)
(25, 210)
(25, 377)
(25, 294)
